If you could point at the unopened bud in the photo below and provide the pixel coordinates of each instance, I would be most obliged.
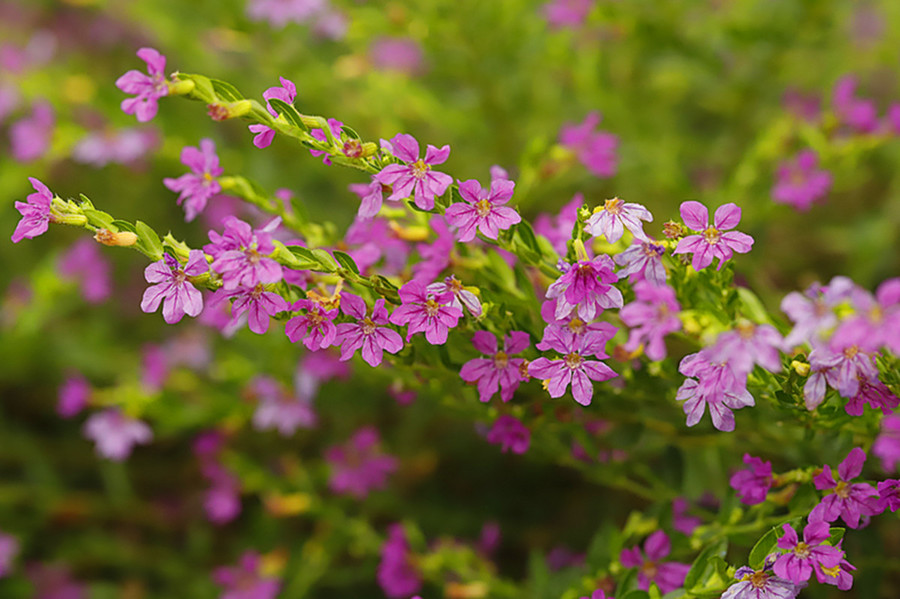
(181, 87)
(120, 239)
(801, 368)
(220, 111)
(673, 230)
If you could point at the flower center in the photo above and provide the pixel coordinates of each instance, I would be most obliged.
(253, 256)
(420, 169)
(649, 569)
(576, 325)
(711, 235)
(257, 291)
(208, 177)
(431, 307)
(746, 330)
(832, 572)
(314, 318)
(851, 352)
(574, 361)
(802, 550)
(842, 489)
(179, 276)
(652, 250)
(483, 207)
(368, 326)
(352, 148)
(501, 360)
(613, 206)
(758, 579)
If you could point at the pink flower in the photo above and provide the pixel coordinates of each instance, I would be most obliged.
(197, 187)
(681, 521)
(889, 495)
(712, 242)
(499, 371)
(246, 580)
(797, 564)
(667, 576)
(858, 114)
(799, 184)
(425, 312)
(435, 254)
(716, 385)
(124, 146)
(752, 484)
(400, 54)
(614, 217)
(30, 137)
(416, 177)
(653, 315)
(261, 305)
(847, 501)
(9, 548)
(642, 261)
(315, 327)
(371, 196)
(241, 254)
(358, 466)
(397, 574)
(573, 367)
(586, 289)
(887, 443)
(812, 311)
(287, 93)
(566, 13)
(279, 13)
(558, 229)
(876, 322)
(761, 584)
(749, 344)
(35, 214)
(54, 582)
(73, 396)
(334, 126)
(482, 209)
(170, 282)
(462, 297)
(86, 263)
(366, 334)
(115, 434)
(596, 151)
(278, 409)
(147, 88)
(510, 434)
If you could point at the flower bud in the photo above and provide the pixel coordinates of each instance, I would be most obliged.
(180, 88)
(221, 111)
(120, 239)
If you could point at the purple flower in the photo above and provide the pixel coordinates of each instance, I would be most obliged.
(667, 576)
(681, 521)
(876, 322)
(712, 242)
(400, 54)
(845, 500)
(462, 297)
(246, 580)
(85, 262)
(416, 177)
(170, 282)
(510, 434)
(426, 312)
(558, 229)
(889, 494)
(874, 393)
(842, 365)
(240, 254)
(566, 13)
(358, 466)
(887, 443)
(812, 311)
(586, 289)
(334, 126)
(747, 345)
(653, 315)
(642, 261)
(261, 305)
(278, 409)
(73, 396)
(124, 146)
(761, 584)
(596, 151)
(371, 196)
(9, 548)
(614, 217)
(115, 434)
(797, 564)
(716, 385)
(839, 575)
(54, 582)
(752, 484)
(799, 184)
(858, 114)
(315, 327)
(482, 209)
(30, 137)
(279, 13)
(366, 334)
(499, 371)
(573, 367)
(287, 93)
(147, 88)
(197, 187)
(397, 574)
(35, 213)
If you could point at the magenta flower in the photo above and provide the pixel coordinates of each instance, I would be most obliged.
(668, 576)
(614, 217)
(29, 138)
(499, 371)
(435, 254)
(749, 344)
(170, 283)
(241, 254)
(812, 311)
(586, 289)
(315, 327)
(566, 13)
(147, 89)
(876, 322)
(761, 584)
(482, 209)
(334, 126)
(54, 582)
(287, 93)
(753, 483)
(462, 297)
(681, 521)
(417, 177)
(799, 184)
(397, 574)
(558, 229)
(115, 434)
(842, 365)
(9, 549)
(887, 443)
(873, 393)
(889, 495)
(279, 13)
(653, 315)
(371, 196)
(642, 261)
(246, 580)
(858, 114)
(124, 146)
(400, 54)
(197, 187)
(358, 466)
(86, 263)
(716, 385)
(573, 367)
(509, 434)
(845, 500)
(712, 242)
(595, 150)
(73, 396)
(261, 305)
(366, 334)
(797, 564)
(424, 311)
(838, 576)
(278, 409)
(35, 213)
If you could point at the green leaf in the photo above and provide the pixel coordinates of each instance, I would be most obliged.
(349, 132)
(346, 261)
(148, 240)
(203, 88)
(526, 235)
(306, 258)
(98, 218)
(837, 533)
(289, 113)
(763, 548)
(124, 225)
(636, 594)
(226, 91)
(701, 568)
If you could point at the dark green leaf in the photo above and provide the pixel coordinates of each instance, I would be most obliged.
(345, 260)
(124, 225)
(763, 548)
(701, 568)
(148, 240)
(98, 218)
(226, 91)
(289, 113)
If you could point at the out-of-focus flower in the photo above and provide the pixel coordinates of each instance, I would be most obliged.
(246, 580)
(73, 396)
(799, 183)
(510, 434)
(397, 576)
(115, 434)
(595, 150)
(86, 263)
(123, 146)
(358, 466)
(567, 13)
(30, 137)
(400, 54)
(752, 484)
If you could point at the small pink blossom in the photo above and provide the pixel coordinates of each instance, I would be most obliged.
(197, 187)
(73, 396)
(611, 220)
(510, 434)
(30, 137)
(573, 367)
(115, 434)
(397, 574)
(358, 466)
(147, 88)
(278, 409)
(399, 54)
(35, 213)
(845, 500)
(586, 288)
(85, 263)
(462, 297)
(287, 93)
(753, 483)
(259, 304)
(567, 13)
(370, 334)
(498, 371)
(170, 283)
(712, 242)
(416, 177)
(652, 316)
(246, 580)
(595, 150)
(668, 576)
(642, 261)
(425, 312)
(799, 183)
(241, 254)
(482, 209)
(797, 564)
(315, 326)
